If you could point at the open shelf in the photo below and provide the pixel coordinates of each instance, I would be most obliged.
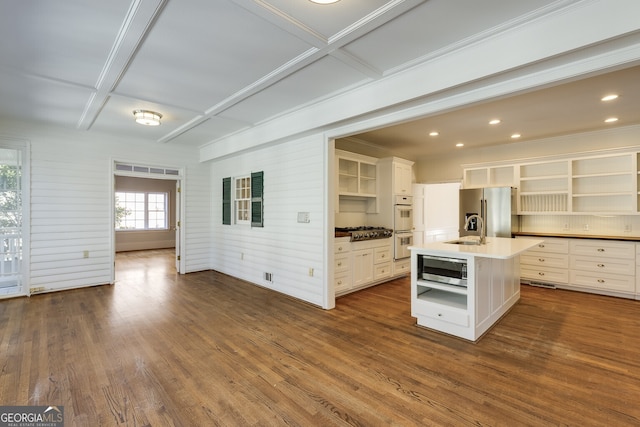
(449, 299)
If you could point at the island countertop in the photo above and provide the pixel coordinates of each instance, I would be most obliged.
(496, 247)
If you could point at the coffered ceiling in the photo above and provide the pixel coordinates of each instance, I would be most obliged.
(212, 68)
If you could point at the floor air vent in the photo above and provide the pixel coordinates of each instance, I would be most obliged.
(543, 285)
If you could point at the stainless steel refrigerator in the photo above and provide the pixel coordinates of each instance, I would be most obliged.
(495, 205)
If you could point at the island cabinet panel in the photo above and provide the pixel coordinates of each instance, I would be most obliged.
(638, 271)
(493, 287)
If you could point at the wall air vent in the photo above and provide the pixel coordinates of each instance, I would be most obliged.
(140, 170)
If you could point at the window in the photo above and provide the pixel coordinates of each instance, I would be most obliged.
(141, 211)
(248, 200)
(243, 200)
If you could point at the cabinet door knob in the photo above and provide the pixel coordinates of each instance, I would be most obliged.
(339, 248)
(541, 259)
(339, 282)
(600, 281)
(541, 245)
(541, 273)
(439, 314)
(339, 264)
(600, 250)
(600, 265)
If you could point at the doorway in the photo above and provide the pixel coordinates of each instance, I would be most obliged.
(147, 204)
(12, 212)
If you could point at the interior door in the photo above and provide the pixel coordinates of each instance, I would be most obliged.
(177, 226)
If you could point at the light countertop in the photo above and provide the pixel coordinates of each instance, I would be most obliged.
(496, 247)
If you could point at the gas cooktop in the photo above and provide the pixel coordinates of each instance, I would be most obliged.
(366, 232)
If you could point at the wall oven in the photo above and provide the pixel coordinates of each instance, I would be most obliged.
(403, 213)
(401, 244)
(450, 271)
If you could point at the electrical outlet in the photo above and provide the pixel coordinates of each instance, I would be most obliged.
(241, 255)
(85, 254)
(268, 277)
(311, 271)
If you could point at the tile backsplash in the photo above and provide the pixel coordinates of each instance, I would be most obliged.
(597, 225)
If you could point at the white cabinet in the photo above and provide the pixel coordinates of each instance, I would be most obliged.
(493, 287)
(362, 267)
(546, 263)
(544, 187)
(342, 265)
(591, 265)
(603, 265)
(490, 176)
(638, 271)
(356, 182)
(605, 184)
(402, 177)
(361, 264)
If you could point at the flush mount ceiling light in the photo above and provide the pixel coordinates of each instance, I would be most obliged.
(494, 122)
(611, 120)
(434, 133)
(609, 97)
(324, 1)
(515, 136)
(459, 144)
(147, 118)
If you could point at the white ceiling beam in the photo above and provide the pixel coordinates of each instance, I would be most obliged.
(320, 49)
(138, 21)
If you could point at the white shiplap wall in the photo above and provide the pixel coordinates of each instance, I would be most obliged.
(294, 181)
(71, 191)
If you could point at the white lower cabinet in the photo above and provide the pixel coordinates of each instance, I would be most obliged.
(546, 263)
(591, 265)
(493, 287)
(358, 265)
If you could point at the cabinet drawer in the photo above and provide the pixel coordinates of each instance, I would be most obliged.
(341, 263)
(603, 265)
(603, 249)
(342, 283)
(611, 282)
(341, 247)
(401, 267)
(382, 270)
(444, 314)
(552, 275)
(381, 255)
(558, 246)
(539, 259)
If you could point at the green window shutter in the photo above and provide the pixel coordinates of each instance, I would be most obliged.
(257, 199)
(226, 201)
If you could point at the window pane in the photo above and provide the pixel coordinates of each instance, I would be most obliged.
(141, 211)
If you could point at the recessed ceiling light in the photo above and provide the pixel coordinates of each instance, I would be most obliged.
(611, 120)
(609, 97)
(434, 133)
(494, 121)
(515, 136)
(459, 144)
(324, 1)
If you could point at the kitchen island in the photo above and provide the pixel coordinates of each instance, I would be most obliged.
(466, 310)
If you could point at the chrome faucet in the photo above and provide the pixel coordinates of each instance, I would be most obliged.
(483, 237)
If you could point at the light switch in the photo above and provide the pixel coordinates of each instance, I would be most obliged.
(303, 217)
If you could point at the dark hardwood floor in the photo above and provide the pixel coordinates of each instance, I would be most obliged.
(205, 349)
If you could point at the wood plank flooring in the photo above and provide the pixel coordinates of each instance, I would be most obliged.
(205, 349)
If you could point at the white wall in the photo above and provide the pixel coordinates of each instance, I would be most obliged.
(294, 181)
(71, 202)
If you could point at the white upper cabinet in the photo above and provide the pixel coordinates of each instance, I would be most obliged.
(606, 183)
(402, 177)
